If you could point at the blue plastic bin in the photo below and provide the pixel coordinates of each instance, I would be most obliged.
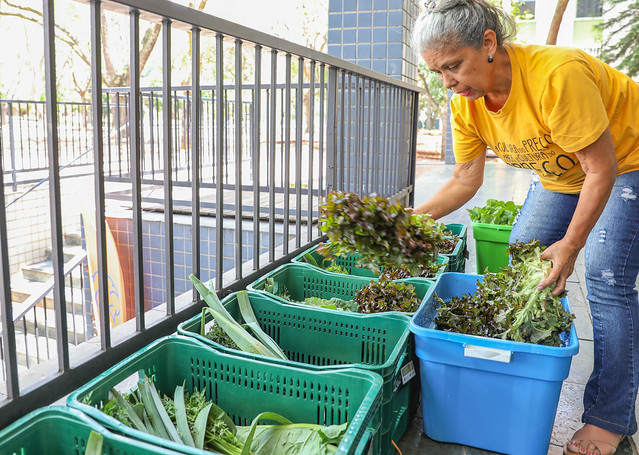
(483, 392)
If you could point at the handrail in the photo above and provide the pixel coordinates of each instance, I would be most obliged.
(185, 18)
(45, 288)
(44, 179)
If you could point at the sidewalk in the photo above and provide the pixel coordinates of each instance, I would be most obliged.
(508, 183)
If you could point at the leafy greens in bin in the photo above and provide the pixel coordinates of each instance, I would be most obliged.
(193, 420)
(495, 212)
(508, 305)
(384, 234)
(380, 296)
(376, 297)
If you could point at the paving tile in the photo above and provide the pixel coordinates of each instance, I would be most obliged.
(568, 416)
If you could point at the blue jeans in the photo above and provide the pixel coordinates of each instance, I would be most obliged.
(612, 264)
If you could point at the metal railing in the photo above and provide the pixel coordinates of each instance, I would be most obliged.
(23, 126)
(35, 325)
(315, 123)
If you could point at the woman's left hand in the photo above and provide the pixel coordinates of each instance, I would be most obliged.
(599, 163)
(563, 256)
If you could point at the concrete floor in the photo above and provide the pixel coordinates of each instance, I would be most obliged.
(504, 182)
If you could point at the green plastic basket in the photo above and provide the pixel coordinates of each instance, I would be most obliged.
(351, 264)
(491, 245)
(241, 386)
(303, 280)
(321, 341)
(60, 430)
(457, 259)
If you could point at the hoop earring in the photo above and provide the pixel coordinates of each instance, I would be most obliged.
(490, 58)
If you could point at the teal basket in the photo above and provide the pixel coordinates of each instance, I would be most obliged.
(60, 430)
(457, 258)
(304, 280)
(323, 341)
(350, 262)
(243, 387)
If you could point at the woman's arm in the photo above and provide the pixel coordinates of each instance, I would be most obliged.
(459, 189)
(599, 163)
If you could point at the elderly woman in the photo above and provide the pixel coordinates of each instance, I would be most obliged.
(574, 121)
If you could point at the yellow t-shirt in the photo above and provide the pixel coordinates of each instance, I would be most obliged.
(561, 100)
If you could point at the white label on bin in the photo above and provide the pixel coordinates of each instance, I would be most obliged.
(408, 372)
(481, 352)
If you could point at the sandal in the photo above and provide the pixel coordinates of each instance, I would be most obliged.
(592, 444)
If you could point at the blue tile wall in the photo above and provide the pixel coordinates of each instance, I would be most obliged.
(379, 51)
(364, 19)
(335, 5)
(386, 24)
(379, 65)
(380, 19)
(349, 20)
(379, 35)
(335, 20)
(395, 50)
(349, 52)
(363, 35)
(395, 35)
(153, 254)
(335, 50)
(395, 18)
(349, 35)
(365, 5)
(349, 5)
(363, 51)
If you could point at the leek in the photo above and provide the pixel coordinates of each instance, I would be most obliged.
(249, 317)
(180, 416)
(199, 428)
(159, 418)
(94, 444)
(308, 257)
(244, 340)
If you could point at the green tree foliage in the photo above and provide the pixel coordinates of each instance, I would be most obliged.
(620, 30)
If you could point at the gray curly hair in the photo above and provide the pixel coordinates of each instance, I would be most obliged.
(453, 24)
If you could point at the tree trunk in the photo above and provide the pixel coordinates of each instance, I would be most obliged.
(556, 22)
(441, 110)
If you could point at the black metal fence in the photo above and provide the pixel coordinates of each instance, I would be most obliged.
(256, 158)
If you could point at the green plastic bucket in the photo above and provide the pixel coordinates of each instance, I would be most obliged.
(491, 244)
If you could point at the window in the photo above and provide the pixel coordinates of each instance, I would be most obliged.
(589, 8)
